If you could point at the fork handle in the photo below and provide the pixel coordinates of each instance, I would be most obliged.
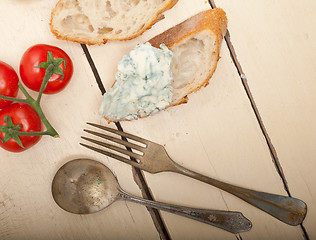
(233, 222)
(287, 209)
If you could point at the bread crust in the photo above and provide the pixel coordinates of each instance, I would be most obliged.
(213, 20)
(155, 18)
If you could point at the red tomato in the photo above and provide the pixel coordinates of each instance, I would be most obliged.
(32, 76)
(8, 83)
(21, 114)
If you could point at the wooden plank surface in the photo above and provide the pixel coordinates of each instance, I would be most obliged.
(219, 125)
(216, 133)
(27, 209)
(277, 55)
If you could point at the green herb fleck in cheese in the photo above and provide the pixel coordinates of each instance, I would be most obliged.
(143, 84)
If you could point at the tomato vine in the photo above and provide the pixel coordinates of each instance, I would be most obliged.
(51, 67)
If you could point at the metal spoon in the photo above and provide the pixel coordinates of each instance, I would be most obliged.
(85, 186)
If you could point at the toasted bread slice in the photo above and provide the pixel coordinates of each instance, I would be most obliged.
(96, 21)
(195, 44)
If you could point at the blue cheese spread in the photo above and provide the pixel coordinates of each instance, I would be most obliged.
(143, 84)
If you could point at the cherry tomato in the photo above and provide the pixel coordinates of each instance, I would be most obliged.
(8, 83)
(32, 75)
(24, 115)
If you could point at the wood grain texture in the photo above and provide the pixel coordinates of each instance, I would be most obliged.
(278, 57)
(216, 133)
(27, 209)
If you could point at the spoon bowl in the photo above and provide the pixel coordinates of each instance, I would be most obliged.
(84, 186)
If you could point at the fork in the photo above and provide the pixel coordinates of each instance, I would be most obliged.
(154, 159)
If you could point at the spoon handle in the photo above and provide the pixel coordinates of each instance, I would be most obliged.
(233, 222)
(287, 209)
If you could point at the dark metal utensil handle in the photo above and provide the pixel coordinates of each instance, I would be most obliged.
(233, 222)
(287, 209)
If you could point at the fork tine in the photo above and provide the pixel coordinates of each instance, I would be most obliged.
(123, 134)
(117, 140)
(112, 155)
(115, 148)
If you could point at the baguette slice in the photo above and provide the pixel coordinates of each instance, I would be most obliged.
(195, 44)
(96, 21)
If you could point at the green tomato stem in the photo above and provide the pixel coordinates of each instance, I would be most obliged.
(26, 94)
(36, 104)
(34, 133)
(13, 99)
(49, 128)
(48, 74)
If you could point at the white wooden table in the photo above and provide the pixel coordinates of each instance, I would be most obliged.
(253, 126)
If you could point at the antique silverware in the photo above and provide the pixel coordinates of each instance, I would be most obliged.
(154, 159)
(85, 186)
